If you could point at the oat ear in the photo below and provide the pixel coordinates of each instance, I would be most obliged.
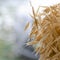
(46, 35)
(26, 27)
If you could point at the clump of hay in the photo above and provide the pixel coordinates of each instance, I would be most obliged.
(46, 32)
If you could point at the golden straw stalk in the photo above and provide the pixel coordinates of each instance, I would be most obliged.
(46, 32)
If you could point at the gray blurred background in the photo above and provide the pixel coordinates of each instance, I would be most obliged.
(14, 14)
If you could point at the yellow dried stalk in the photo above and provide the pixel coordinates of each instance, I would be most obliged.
(27, 25)
(47, 33)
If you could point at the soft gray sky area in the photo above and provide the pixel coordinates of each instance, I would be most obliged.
(13, 18)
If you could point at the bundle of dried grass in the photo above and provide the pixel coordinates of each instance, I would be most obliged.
(46, 32)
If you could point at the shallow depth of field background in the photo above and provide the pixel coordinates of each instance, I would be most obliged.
(14, 14)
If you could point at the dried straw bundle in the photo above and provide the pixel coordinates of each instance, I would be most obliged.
(46, 32)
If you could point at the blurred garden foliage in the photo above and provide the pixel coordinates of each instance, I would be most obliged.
(5, 51)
